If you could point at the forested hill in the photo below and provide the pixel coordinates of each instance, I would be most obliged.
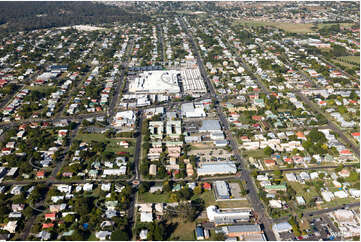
(19, 16)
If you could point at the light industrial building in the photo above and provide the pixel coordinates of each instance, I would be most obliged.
(245, 232)
(189, 110)
(227, 216)
(124, 119)
(211, 126)
(221, 189)
(218, 168)
(192, 81)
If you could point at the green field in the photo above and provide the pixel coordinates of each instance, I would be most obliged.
(233, 204)
(184, 231)
(300, 192)
(206, 196)
(153, 197)
(112, 146)
(350, 59)
(257, 154)
(344, 64)
(288, 27)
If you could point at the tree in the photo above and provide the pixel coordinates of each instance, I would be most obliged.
(186, 211)
(268, 151)
(277, 173)
(220, 237)
(144, 187)
(159, 232)
(339, 168)
(78, 235)
(197, 190)
(166, 186)
(28, 211)
(316, 137)
(119, 235)
(82, 205)
(173, 197)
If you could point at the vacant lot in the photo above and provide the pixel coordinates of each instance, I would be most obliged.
(355, 60)
(153, 197)
(289, 27)
(184, 231)
(233, 204)
(112, 146)
(256, 154)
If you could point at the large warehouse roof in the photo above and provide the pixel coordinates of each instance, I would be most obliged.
(210, 126)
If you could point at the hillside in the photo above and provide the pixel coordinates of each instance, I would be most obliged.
(19, 16)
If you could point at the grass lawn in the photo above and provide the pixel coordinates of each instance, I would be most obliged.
(184, 231)
(243, 118)
(350, 58)
(202, 146)
(343, 63)
(41, 88)
(233, 204)
(339, 201)
(300, 192)
(320, 26)
(92, 237)
(257, 154)
(289, 27)
(153, 197)
(112, 146)
(206, 196)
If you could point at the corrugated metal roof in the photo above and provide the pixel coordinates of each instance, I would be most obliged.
(244, 228)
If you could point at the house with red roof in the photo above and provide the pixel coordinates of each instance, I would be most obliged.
(300, 135)
(48, 225)
(256, 118)
(269, 162)
(207, 186)
(346, 152)
(322, 103)
(3, 82)
(288, 160)
(245, 138)
(356, 135)
(51, 216)
(40, 174)
(298, 159)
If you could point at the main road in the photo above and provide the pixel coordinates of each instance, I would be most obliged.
(253, 196)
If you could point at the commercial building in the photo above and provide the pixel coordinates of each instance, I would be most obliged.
(192, 81)
(124, 119)
(221, 189)
(190, 110)
(188, 81)
(227, 216)
(281, 227)
(211, 126)
(244, 232)
(156, 82)
(219, 168)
